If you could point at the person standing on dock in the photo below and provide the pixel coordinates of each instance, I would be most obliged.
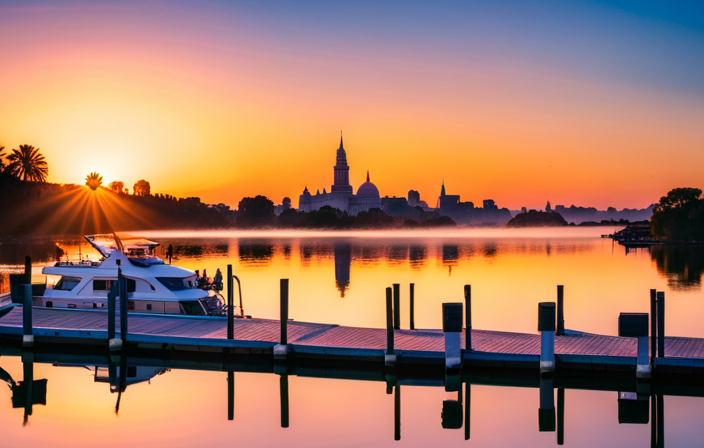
(170, 252)
(59, 253)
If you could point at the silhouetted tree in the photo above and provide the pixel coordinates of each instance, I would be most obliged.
(28, 164)
(256, 212)
(679, 215)
(141, 188)
(116, 186)
(94, 180)
(2, 162)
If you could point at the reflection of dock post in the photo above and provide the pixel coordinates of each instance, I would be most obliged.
(546, 413)
(282, 349)
(635, 325)
(390, 355)
(397, 412)
(397, 306)
(661, 421)
(546, 326)
(230, 304)
(27, 336)
(661, 324)
(468, 317)
(560, 311)
(467, 408)
(123, 306)
(653, 327)
(411, 306)
(561, 416)
(28, 370)
(283, 387)
(230, 395)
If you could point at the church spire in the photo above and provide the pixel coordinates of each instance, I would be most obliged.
(341, 147)
(442, 190)
(367, 175)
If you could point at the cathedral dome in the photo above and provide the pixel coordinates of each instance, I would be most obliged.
(368, 190)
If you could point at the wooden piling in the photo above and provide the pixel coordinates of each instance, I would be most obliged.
(28, 269)
(27, 335)
(283, 388)
(653, 326)
(397, 306)
(560, 311)
(284, 311)
(230, 306)
(468, 317)
(412, 306)
(546, 326)
(661, 324)
(112, 299)
(230, 395)
(122, 281)
(467, 408)
(389, 324)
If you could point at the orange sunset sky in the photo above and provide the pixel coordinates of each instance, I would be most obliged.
(587, 103)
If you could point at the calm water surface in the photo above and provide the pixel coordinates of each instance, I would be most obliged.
(340, 278)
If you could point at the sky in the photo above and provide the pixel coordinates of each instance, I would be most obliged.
(590, 103)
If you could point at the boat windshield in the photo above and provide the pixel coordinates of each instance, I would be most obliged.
(175, 283)
(192, 308)
(67, 283)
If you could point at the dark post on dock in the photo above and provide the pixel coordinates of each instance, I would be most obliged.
(661, 324)
(653, 325)
(389, 324)
(412, 306)
(27, 316)
(122, 281)
(230, 306)
(468, 317)
(560, 311)
(28, 269)
(284, 311)
(397, 306)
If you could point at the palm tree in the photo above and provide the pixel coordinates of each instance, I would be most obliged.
(94, 180)
(27, 163)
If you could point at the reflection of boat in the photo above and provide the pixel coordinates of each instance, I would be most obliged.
(152, 285)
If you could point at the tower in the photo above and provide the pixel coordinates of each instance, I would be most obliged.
(342, 172)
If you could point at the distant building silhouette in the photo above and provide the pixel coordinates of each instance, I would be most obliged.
(465, 212)
(285, 205)
(341, 194)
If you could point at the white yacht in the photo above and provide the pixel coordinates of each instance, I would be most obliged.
(152, 285)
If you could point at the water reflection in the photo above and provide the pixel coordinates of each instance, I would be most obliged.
(343, 263)
(681, 265)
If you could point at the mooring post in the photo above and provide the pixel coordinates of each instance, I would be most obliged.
(452, 327)
(560, 310)
(230, 395)
(27, 336)
(468, 317)
(230, 305)
(397, 412)
(653, 326)
(546, 413)
(123, 306)
(661, 324)
(560, 415)
(635, 325)
(112, 299)
(390, 356)
(546, 327)
(282, 349)
(412, 306)
(397, 306)
(283, 388)
(28, 269)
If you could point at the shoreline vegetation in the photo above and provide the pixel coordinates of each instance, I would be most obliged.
(32, 206)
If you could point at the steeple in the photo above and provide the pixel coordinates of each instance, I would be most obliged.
(442, 190)
(341, 147)
(367, 175)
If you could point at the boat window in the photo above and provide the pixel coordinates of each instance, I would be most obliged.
(174, 283)
(67, 283)
(192, 307)
(105, 284)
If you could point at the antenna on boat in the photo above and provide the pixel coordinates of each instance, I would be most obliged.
(118, 242)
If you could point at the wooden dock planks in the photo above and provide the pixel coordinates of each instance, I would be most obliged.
(202, 331)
